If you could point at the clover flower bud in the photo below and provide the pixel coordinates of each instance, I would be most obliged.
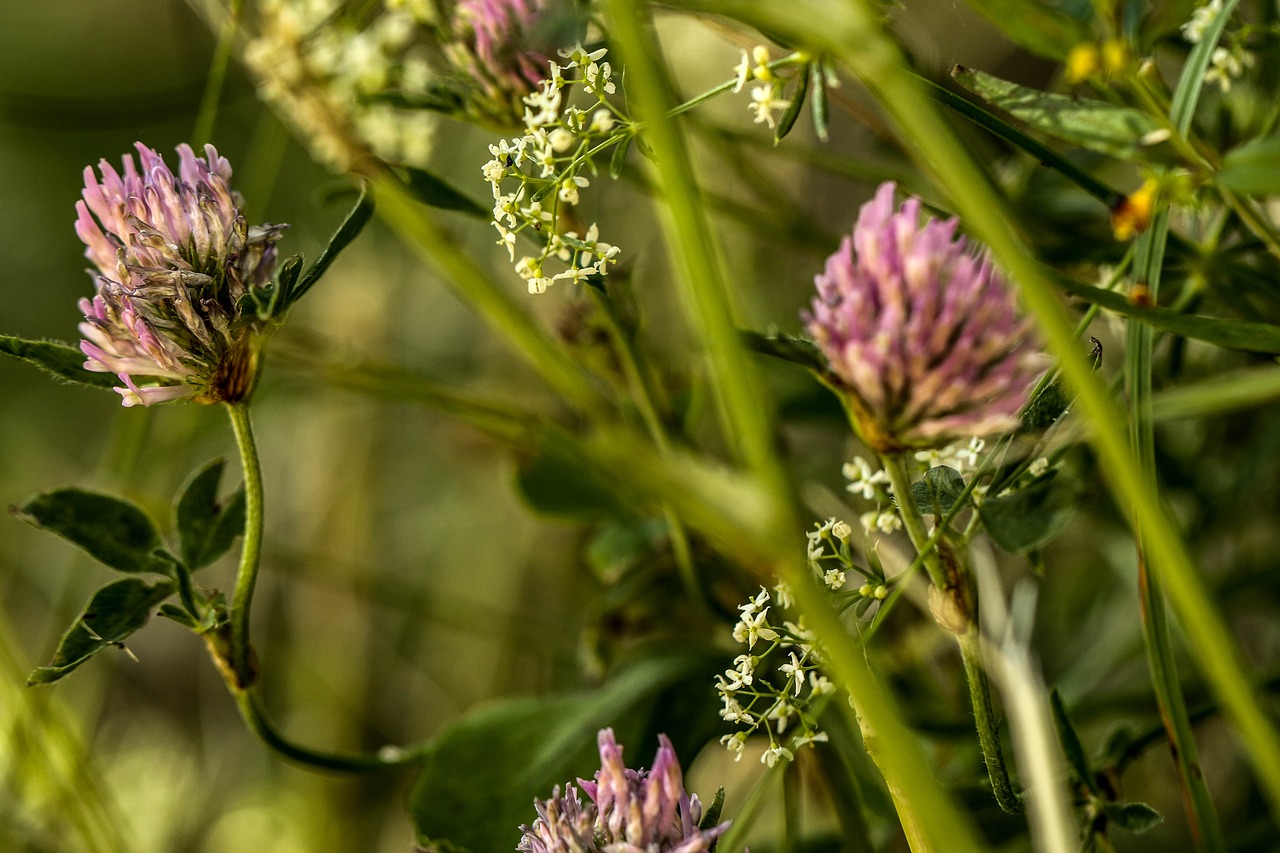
(923, 334)
(173, 259)
(645, 810)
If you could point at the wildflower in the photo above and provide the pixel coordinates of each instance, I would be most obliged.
(628, 810)
(764, 100)
(773, 753)
(1193, 30)
(923, 334)
(174, 258)
(862, 481)
(1133, 214)
(1083, 61)
(1227, 64)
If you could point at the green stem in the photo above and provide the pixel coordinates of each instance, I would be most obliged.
(250, 705)
(251, 549)
(418, 225)
(242, 678)
(1203, 820)
(960, 588)
(208, 113)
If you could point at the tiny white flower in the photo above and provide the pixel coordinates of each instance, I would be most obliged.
(507, 238)
(761, 70)
(602, 121)
(569, 188)
(735, 743)
(783, 592)
(743, 72)
(1038, 467)
(841, 530)
(764, 101)
(772, 755)
(820, 684)
(862, 480)
(809, 740)
(834, 578)
(1193, 30)
(794, 672)
(561, 140)
(600, 78)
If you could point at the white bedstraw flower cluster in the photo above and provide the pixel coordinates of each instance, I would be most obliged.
(1194, 29)
(774, 686)
(766, 97)
(963, 456)
(1228, 63)
(872, 485)
(1230, 59)
(537, 178)
(322, 70)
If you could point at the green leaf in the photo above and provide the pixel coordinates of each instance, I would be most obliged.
(1038, 27)
(1072, 747)
(792, 348)
(818, 105)
(482, 774)
(1253, 168)
(712, 815)
(350, 228)
(206, 527)
(555, 482)
(1228, 334)
(60, 360)
(1096, 125)
(114, 613)
(1031, 516)
(434, 191)
(938, 491)
(1135, 817)
(794, 107)
(115, 531)
(618, 160)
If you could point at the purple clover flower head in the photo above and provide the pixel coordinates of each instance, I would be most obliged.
(923, 333)
(629, 811)
(173, 258)
(501, 49)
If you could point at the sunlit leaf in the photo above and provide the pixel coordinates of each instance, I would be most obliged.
(1096, 125)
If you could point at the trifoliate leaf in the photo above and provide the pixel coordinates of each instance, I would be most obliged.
(115, 531)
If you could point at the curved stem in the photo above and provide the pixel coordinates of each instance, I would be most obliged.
(959, 586)
(250, 550)
(250, 705)
(241, 675)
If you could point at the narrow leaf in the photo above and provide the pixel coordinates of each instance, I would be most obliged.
(114, 613)
(797, 350)
(206, 527)
(818, 101)
(434, 191)
(62, 361)
(115, 531)
(712, 815)
(1228, 334)
(794, 107)
(1072, 747)
(618, 160)
(347, 231)
(1096, 125)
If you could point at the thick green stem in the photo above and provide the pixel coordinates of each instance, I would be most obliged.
(956, 588)
(250, 550)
